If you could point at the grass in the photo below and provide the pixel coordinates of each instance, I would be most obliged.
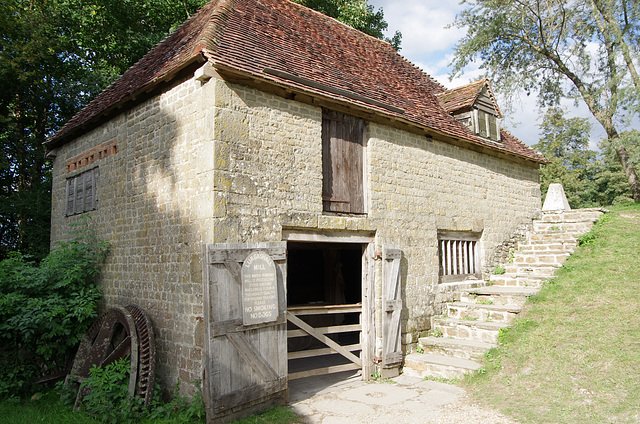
(573, 356)
(279, 415)
(46, 408)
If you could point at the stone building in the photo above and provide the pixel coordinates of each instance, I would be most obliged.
(262, 121)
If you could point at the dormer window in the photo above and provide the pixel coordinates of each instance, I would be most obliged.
(474, 106)
(486, 125)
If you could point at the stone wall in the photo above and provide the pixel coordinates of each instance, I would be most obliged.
(216, 162)
(154, 207)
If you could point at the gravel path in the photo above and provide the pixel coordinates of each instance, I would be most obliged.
(409, 400)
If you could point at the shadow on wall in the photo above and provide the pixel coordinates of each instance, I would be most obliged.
(147, 192)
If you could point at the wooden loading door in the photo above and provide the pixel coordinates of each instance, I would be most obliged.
(245, 362)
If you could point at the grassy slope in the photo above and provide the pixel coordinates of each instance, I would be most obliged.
(573, 356)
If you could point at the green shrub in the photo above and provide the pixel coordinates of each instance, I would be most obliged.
(46, 308)
(107, 397)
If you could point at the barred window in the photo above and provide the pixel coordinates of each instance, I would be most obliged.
(81, 192)
(459, 256)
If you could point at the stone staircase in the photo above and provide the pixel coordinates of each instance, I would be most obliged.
(471, 324)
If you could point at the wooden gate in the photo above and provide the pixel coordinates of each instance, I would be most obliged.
(321, 334)
(245, 359)
(392, 308)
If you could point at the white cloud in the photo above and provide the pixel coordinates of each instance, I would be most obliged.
(423, 25)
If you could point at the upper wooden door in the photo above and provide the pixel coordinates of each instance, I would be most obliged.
(342, 163)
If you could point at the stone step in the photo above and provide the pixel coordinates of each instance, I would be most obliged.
(456, 348)
(482, 312)
(581, 215)
(539, 258)
(532, 269)
(552, 236)
(570, 227)
(430, 365)
(499, 295)
(519, 280)
(550, 248)
(481, 331)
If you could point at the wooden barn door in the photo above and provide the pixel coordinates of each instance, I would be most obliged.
(246, 338)
(392, 309)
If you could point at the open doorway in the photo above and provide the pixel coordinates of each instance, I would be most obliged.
(324, 304)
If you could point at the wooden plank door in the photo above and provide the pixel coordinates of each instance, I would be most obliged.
(392, 309)
(342, 162)
(245, 362)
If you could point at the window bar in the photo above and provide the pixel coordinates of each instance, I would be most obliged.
(472, 256)
(463, 257)
(455, 257)
(447, 252)
(467, 245)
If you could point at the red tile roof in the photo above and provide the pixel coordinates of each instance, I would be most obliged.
(514, 144)
(290, 45)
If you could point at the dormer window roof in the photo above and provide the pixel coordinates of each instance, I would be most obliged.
(475, 106)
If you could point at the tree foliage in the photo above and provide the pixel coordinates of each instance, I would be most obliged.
(589, 178)
(565, 143)
(55, 55)
(45, 309)
(584, 50)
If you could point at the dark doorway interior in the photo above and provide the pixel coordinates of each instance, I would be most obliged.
(324, 273)
(319, 276)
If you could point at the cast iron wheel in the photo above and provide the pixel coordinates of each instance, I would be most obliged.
(118, 333)
(147, 355)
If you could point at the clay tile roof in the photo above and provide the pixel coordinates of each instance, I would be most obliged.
(465, 96)
(290, 45)
(514, 144)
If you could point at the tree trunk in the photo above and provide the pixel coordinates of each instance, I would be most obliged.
(627, 165)
(623, 156)
(628, 168)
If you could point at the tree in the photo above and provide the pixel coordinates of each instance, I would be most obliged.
(549, 45)
(565, 143)
(55, 55)
(35, 83)
(357, 14)
(610, 179)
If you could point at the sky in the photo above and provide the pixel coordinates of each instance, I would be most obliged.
(428, 43)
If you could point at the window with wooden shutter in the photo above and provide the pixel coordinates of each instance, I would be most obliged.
(81, 192)
(494, 129)
(482, 124)
(343, 163)
(459, 256)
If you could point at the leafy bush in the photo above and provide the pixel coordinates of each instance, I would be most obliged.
(46, 308)
(106, 399)
(107, 396)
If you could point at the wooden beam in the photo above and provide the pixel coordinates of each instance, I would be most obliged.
(252, 357)
(324, 339)
(310, 353)
(326, 330)
(323, 371)
(325, 309)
